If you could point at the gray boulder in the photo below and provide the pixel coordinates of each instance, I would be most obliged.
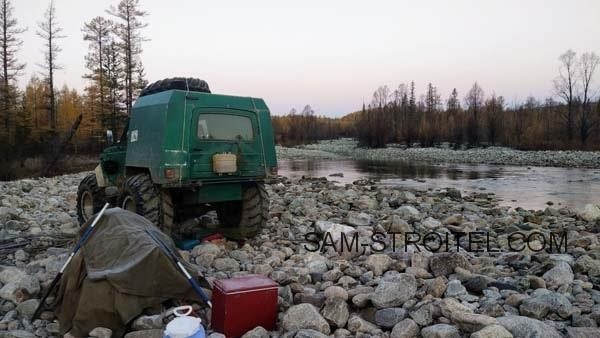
(405, 329)
(560, 274)
(334, 229)
(28, 307)
(492, 331)
(389, 317)
(471, 322)
(443, 264)
(590, 213)
(583, 332)
(16, 280)
(309, 333)
(378, 263)
(525, 327)
(101, 332)
(543, 301)
(17, 334)
(336, 312)
(159, 333)
(304, 316)
(358, 325)
(226, 264)
(358, 219)
(409, 213)
(440, 331)
(257, 332)
(391, 294)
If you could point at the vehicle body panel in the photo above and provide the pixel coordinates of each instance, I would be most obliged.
(163, 135)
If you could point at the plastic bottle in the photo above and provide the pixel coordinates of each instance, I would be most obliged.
(184, 326)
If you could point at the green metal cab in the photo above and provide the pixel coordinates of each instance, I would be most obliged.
(185, 152)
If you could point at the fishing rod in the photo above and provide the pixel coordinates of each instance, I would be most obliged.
(78, 246)
(181, 268)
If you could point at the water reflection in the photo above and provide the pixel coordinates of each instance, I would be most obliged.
(528, 187)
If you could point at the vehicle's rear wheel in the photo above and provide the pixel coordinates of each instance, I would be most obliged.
(141, 196)
(90, 198)
(245, 218)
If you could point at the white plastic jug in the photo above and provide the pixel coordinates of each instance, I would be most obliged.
(184, 326)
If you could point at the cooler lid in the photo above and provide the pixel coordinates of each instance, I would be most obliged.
(244, 283)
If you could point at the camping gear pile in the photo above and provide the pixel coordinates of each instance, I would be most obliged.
(123, 267)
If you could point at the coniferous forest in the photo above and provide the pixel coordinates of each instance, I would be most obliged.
(42, 120)
(569, 118)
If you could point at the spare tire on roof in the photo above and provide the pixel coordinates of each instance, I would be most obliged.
(181, 83)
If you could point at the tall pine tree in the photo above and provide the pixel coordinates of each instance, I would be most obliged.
(128, 30)
(10, 43)
(97, 33)
(49, 30)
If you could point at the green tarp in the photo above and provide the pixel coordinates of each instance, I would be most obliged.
(119, 272)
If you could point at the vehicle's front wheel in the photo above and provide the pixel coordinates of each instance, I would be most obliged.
(141, 196)
(90, 198)
(245, 218)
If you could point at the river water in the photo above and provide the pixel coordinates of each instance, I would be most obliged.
(527, 187)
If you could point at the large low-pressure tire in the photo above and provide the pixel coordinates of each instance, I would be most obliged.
(141, 196)
(245, 218)
(90, 198)
(181, 83)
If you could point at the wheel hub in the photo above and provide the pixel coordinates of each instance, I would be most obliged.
(87, 205)
(128, 204)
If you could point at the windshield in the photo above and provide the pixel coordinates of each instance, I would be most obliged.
(224, 127)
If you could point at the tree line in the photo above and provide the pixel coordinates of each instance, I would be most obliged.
(568, 119)
(306, 127)
(35, 117)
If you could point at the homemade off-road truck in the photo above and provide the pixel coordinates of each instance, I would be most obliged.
(186, 151)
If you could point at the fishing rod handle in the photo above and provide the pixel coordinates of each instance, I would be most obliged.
(194, 284)
(88, 231)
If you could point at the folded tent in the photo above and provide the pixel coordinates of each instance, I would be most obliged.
(120, 271)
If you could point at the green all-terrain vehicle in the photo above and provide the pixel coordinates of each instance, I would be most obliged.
(185, 152)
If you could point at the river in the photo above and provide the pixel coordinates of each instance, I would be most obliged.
(527, 187)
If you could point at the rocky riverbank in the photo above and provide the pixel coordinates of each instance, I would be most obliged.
(347, 148)
(391, 287)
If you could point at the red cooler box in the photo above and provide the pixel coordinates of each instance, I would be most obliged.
(243, 303)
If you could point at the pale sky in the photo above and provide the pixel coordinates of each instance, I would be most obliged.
(333, 54)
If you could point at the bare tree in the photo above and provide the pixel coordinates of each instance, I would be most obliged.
(456, 118)
(397, 102)
(474, 103)
(381, 96)
(129, 32)
(453, 102)
(587, 67)
(49, 30)
(10, 43)
(550, 107)
(432, 99)
(493, 108)
(410, 116)
(565, 87)
(430, 126)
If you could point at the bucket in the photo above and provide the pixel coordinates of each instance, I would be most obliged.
(184, 326)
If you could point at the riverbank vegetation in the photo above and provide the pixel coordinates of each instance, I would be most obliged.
(568, 119)
(38, 119)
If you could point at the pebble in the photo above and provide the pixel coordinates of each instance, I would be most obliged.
(405, 292)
